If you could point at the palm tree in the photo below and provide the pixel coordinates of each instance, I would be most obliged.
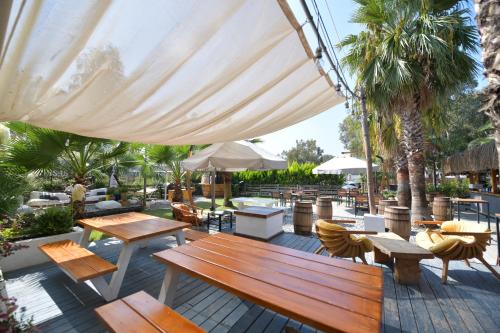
(411, 56)
(489, 25)
(38, 150)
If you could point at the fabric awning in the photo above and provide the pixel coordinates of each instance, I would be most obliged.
(234, 156)
(344, 164)
(166, 72)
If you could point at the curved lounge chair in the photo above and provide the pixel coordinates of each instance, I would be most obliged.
(456, 241)
(340, 242)
(190, 214)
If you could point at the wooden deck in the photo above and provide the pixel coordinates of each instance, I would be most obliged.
(469, 303)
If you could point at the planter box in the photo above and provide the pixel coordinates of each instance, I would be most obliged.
(32, 255)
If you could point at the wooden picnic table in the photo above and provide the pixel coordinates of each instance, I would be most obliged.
(326, 293)
(388, 247)
(133, 229)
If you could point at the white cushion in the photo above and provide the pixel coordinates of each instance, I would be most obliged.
(97, 190)
(95, 198)
(108, 204)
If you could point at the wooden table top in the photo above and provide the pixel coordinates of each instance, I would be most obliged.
(262, 212)
(130, 227)
(469, 200)
(396, 247)
(328, 294)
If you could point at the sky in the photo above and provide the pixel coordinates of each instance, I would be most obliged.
(324, 128)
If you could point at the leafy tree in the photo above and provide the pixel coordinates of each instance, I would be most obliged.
(38, 149)
(351, 136)
(305, 151)
(411, 56)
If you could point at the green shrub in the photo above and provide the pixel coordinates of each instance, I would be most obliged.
(295, 174)
(454, 188)
(53, 221)
(12, 185)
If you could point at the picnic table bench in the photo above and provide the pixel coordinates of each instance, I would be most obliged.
(389, 247)
(142, 313)
(326, 293)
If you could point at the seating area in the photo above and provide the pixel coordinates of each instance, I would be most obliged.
(468, 301)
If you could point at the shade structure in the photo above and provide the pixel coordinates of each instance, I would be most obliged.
(165, 72)
(342, 165)
(232, 156)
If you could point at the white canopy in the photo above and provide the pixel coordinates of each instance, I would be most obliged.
(166, 72)
(234, 156)
(343, 164)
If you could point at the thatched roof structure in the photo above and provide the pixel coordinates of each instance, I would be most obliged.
(477, 159)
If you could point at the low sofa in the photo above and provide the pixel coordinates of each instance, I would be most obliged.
(40, 199)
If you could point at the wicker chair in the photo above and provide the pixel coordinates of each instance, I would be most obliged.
(457, 241)
(340, 242)
(190, 214)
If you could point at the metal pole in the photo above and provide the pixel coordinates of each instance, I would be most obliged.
(213, 190)
(368, 152)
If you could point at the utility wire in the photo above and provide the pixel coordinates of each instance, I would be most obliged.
(323, 46)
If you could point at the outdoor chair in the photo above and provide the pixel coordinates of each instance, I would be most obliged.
(457, 241)
(340, 242)
(360, 202)
(287, 196)
(275, 195)
(189, 214)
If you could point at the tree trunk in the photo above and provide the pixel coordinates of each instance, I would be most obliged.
(414, 143)
(178, 197)
(226, 177)
(188, 178)
(144, 191)
(368, 153)
(488, 12)
(403, 179)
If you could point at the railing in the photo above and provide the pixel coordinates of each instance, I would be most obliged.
(265, 190)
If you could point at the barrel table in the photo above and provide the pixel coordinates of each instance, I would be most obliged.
(302, 217)
(441, 209)
(324, 207)
(397, 220)
(386, 203)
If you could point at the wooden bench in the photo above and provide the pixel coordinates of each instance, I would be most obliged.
(142, 313)
(194, 235)
(77, 262)
(389, 247)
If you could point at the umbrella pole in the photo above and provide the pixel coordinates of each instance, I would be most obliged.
(212, 189)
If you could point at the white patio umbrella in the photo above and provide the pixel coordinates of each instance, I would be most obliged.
(342, 165)
(232, 157)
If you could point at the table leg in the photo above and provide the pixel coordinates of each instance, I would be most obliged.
(498, 239)
(169, 286)
(478, 216)
(84, 240)
(407, 271)
(458, 210)
(488, 212)
(380, 257)
(179, 237)
(122, 264)
(231, 220)
(220, 222)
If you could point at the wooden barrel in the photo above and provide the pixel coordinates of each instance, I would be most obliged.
(324, 207)
(441, 209)
(385, 203)
(397, 219)
(302, 217)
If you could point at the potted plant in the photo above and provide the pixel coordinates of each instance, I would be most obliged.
(123, 190)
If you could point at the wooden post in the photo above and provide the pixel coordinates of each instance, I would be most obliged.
(494, 182)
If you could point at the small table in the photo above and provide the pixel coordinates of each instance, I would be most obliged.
(478, 202)
(259, 222)
(387, 246)
(220, 214)
(133, 229)
(328, 294)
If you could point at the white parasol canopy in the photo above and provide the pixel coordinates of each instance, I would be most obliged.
(164, 72)
(231, 157)
(234, 156)
(342, 165)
